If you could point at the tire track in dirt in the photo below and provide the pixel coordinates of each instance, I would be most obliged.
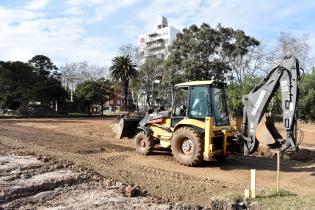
(159, 174)
(167, 175)
(54, 185)
(171, 185)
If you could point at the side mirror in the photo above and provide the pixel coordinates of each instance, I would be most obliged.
(178, 111)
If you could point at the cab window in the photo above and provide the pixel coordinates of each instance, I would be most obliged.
(199, 102)
(220, 107)
(180, 102)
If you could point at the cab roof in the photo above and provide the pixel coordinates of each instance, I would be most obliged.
(196, 83)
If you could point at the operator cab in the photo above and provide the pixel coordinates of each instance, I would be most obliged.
(200, 99)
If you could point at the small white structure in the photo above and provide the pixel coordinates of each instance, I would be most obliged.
(156, 42)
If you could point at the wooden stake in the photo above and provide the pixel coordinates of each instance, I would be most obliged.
(278, 170)
(253, 183)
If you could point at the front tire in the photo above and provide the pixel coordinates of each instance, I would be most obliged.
(187, 146)
(144, 144)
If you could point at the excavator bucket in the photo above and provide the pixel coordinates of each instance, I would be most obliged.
(126, 125)
(266, 132)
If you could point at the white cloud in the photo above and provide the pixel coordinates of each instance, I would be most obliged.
(246, 14)
(29, 30)
(63, 35)
(178, 12)
(25, 33)
(37, 4)
(9, 16)
(74, 10)
(129, 28)
(101, 8)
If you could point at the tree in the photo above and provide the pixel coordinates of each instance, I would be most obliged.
(87, 92)
(235, 92)
(132, 51)
(290, 44)
(221, 53)
(94, 92)
(307, 97)
(252, 64)
(17, 81)
(123, 70)
(22, 83)
(43, 66)
(149, 72)
(105, 92)
(293, 45)
(74, 73)
(49, 88)
(202, 53)
(50, 91)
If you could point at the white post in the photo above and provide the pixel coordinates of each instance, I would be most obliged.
(278, 170)
(246, 193)
(71, 95)
(253, 183)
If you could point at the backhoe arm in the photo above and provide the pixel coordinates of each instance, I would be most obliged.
(285, 76)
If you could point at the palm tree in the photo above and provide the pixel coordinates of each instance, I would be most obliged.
(123, 70)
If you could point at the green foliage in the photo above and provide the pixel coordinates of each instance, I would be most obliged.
(21, 83)
(307, 99)
(236, 92)
(150, 70)
(202, 53)
(123, 70)
(275, 105)
(49, 89)
(270, 199)
(94, 92)
(16, 84)
(43, 66)
(87, 91)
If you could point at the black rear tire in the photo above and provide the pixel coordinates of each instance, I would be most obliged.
(220, 158)
(144, 144)
(187, 146)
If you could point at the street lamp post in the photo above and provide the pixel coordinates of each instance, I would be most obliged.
(158, 89)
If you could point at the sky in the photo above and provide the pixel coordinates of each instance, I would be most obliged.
(92, 30)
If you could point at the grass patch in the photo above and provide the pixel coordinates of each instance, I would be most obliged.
(234, 197)
(270, 199)
(77, 114)
(284, 200)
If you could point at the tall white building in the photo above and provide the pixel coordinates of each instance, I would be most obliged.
(156, 42)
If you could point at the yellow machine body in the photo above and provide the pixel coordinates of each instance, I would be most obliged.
(210, 132)
(196, 128)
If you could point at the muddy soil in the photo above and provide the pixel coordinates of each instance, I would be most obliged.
(35, 182)
(90, 143)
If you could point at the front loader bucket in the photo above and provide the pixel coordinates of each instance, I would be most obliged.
(126, 125)
(267, 133)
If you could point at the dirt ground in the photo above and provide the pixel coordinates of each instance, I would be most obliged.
(36, 182)
(90, 143)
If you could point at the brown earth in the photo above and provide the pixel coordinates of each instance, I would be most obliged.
(41, 182)
(307, 130)
(90, 143)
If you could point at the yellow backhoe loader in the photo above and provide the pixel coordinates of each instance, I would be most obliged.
(198, 126)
